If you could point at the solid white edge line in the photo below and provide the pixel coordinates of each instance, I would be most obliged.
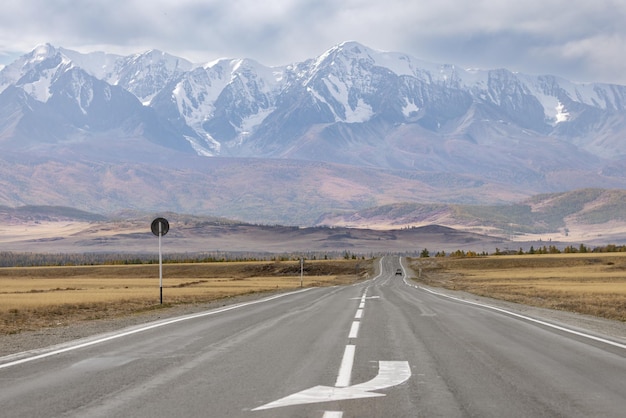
(527, 318)
(141, 329)
(345, 370)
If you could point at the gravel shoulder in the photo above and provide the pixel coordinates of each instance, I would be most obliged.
(48, 337)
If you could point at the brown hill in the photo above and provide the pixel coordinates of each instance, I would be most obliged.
(585, 215)
(192, 234)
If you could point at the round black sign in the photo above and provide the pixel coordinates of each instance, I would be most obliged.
(165, 226)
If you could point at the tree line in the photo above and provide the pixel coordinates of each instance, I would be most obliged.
(29, 259)
(551, 249)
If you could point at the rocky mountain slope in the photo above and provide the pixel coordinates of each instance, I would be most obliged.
(350, 129)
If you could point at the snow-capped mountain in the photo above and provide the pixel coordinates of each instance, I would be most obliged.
(352, 105)
(223, 101)
(148, 73)
(48, 98)
(308, 109)
(238, 107)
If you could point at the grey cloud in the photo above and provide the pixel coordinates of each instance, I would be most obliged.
(576, 38)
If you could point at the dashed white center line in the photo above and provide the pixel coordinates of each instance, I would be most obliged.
(354, 329)
(345, 370)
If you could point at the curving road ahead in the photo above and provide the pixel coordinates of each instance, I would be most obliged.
(382, 348)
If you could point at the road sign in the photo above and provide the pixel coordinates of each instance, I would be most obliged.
(159, 227)
(163, 224)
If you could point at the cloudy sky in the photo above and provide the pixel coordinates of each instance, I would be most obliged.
(582, 40)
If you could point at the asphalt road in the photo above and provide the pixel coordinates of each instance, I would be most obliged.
(382, 348)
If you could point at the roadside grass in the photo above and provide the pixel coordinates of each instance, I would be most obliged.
(32, 298)
(593, 284)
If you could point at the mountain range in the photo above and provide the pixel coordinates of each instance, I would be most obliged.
(351, 129)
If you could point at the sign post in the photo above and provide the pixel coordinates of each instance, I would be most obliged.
(159, 227)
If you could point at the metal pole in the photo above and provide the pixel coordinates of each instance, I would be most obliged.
(301, 269)
(160, 265)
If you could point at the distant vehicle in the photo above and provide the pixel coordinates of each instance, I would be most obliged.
(399, 272)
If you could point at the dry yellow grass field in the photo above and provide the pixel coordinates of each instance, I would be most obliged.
(593, 284)
(36, 297)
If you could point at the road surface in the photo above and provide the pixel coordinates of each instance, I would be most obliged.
(381, 348)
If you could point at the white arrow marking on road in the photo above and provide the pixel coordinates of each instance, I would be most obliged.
(390, 373)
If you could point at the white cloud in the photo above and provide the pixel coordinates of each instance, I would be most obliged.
(578, 39)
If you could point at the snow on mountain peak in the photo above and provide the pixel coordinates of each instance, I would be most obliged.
(42, 52)
(398, 63)
(147, 73)
(35, 72)
(155, 57)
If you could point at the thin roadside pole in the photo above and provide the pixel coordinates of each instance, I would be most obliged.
(160, 265)
(159, 227)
